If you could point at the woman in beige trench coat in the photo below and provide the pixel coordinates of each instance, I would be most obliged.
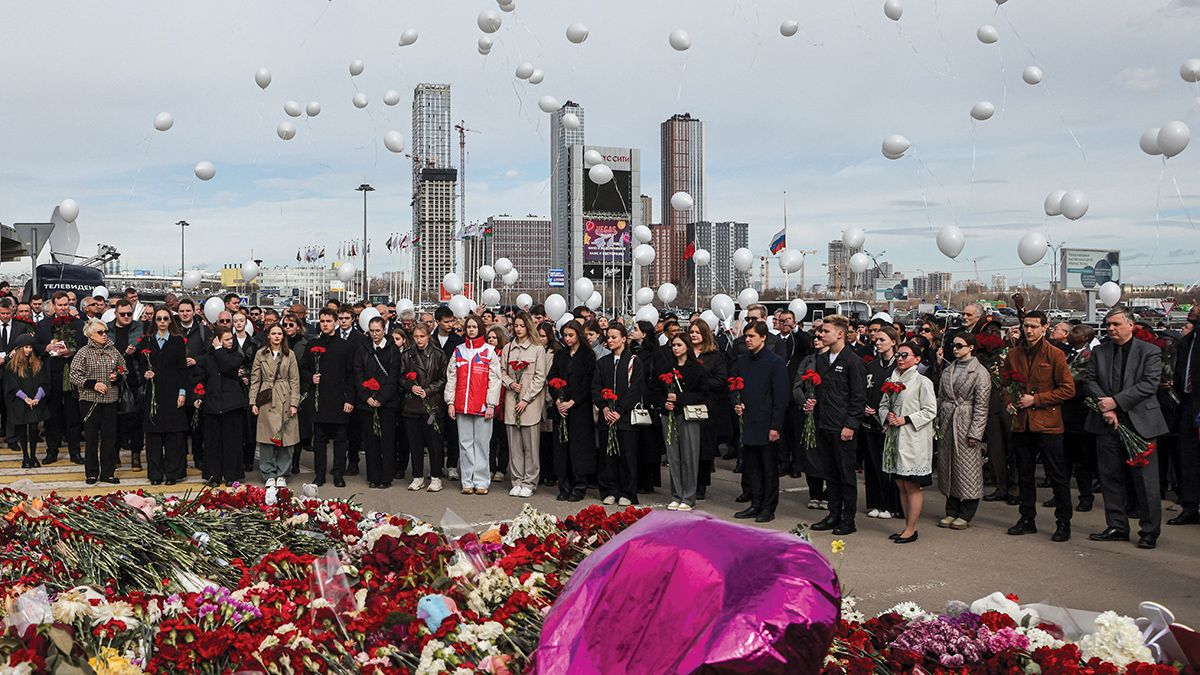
(275, 370)
(523, 369)
(965, 389)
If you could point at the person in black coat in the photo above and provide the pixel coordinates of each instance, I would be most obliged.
(762, 404)
(125, 332)
(718, 428)
(222, 398)
(196, 336)
(348, 330)
(10, 331)
(883, 497)
(56, 340)
(423, 384)
(792, 346)
(329, 365)
(161, 366)
(377, 371)
(25, 382)
(651, 449)
(674, 387)
(618, 386)
(574, 457)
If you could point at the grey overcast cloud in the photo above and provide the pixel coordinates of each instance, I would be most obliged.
(804, 114)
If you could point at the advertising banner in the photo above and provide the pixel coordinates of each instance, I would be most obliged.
(606, 240)
(1088, 269)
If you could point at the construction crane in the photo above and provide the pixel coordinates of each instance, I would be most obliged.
(462, 130)
(803, 256)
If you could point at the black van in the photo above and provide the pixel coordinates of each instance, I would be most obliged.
(55, 277)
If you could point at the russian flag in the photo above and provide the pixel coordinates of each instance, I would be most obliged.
(779, 241)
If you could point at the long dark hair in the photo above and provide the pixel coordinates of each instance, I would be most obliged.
(283, 344)
(172, 325)
(689, 355)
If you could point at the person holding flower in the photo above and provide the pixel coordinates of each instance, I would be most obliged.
(221, 397)
(275, 400)
(759, 392)
(1122, 379)
(95, 371)
(472, 394)
(25, 382)
(329, 365)
(882, 496)
(377, 371)
(525, 363)
(423, 385)
(964, 391)
(56, 340)
(718, 428)
(908, 412)
(162, 367)
(574, 435)
(618, 386)
(681, 385)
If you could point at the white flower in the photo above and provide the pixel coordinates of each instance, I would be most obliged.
(319, 603)
(360, 599)
(850, 610)
(268, 642)
(907, 610)
(73, 604)
(461, 567)
(421, 528)
(530, 521)
(1040, 638)
(1117, 639)
(376, 533)
(285, 628)
(463, 671)
(121, 611)
(492, 588)
(19, 669)
(298, 519)
(431, 658)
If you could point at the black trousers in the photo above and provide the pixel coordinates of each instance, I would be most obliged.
(323, 432)
(400, 447)
(498, 449)
(450, 440)
(1028, 444)
(65, 420)
(24, 436)
(249, 431)
(546, 464)
(1189, 460)
(166, 456)
(359, 419)
(422, 436)
(618, 473)
(961, 508)
(100, 456)
(1111, 456)
(760, 466)
(380, 450)
(882, 492)
(1081, 460)
(1001, 457)
(842, 483)
(197, 436)
(570, 481)
(129, 432)
(224, 456)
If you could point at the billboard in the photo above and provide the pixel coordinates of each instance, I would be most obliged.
(615, 196)
(556, 277)
(891, 289)
(606, 240)
(1088, 269)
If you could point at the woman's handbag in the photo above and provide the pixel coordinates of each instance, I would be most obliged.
(639, 416)
(126, 400)
(264, 396)
(695, 413)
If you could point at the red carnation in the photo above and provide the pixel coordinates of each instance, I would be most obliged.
(608, 395)
(371, 384)
(146, 352)
(667, 378)
(735, 383)
(411, 376)
(558, 384)
(317, 350)
(518, 366)
(811, 376)
(198, 390)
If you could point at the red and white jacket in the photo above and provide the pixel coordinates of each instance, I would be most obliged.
(473, 377)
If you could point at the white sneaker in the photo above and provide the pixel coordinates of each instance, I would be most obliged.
(435, 484)
(417, 484)
(814, 503)
(280, 482)
(673, 506)
(269, 483)
(873, 513)
(624, 501)
(825, 504)
(452, 473)
(684, 507)
(609, 500)
(526, 492)
(515, 491)
(498, 477)
(884, 515)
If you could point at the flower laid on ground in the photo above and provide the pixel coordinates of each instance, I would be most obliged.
(1118, 640)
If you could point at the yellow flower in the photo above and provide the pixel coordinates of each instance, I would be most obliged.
(111, 662)
(837, 545)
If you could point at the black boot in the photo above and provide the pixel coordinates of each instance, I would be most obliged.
(76, 458)
(136, 460)
(51, 457)
(27, 458)
(295, 463)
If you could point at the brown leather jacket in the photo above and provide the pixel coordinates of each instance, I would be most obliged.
(1049, 380)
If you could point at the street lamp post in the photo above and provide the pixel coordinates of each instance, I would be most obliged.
(182, 248)
(366, 291)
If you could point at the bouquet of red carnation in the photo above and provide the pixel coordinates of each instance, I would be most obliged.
(1137, 448)
(516, 367)
(317, 351)
(811, 380)
(431, 420)
(372, 385)
(198, 390)
(557, 385)
(668, 379)
(612, 449)
(891, 435)
(736, 385)
(1015, 388)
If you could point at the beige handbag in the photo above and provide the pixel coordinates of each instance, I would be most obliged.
(695, 413)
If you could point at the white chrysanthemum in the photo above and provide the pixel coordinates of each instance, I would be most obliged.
(431, 658)
(121, 611)
(1117, 639)
(421, 528)
(377, 533)
(907, 610)
(530, 521)
(268, 642)
(492, 588)
(71, 605)
(461, 567)
(1039, 638)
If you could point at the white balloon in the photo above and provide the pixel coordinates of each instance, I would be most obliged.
(100, 291)
(594, 301)
(548, 104)
(592, 158)
(643, 254)
(983, 110)
(859, 262)
(394, 141)
(743, 259)
(249, 271)
(537, 76)
(893, 9)
(312, 109)
(563, 320)
(1032, 248)
(459, 305)
(524, 71)
(490, 297)
(292, 109)
(577, 33)
(1190, 70)
(205, 170)
(682, 201)
(356, 67)
(110, 315)
(799, 308)
(163, 121)
(487, 273)
(506, 5)
(1074, 204)
(524, 301)
(1053, 205)
(680, 40)
(1173, 137)
(346, 271)
(360, 100)
(408, 37)
(644, 296)
(365, 316)
(1149, 142)
(701, 257)
(583, 288)
(950, 240)
(570, 121)
(286, 131)
(452, 283)
(1032, 75)
(987, 34)
(262, 78)
(600, 174)
(711, 319)
(647, 313)
(668, 292)
(747, 297)
(790, 261)
(789, 28)
(510, 278)
(403, 306)
(556, 306)
(854, 237)
(1110, 293)
(895, 145)
(391, 97)
(484, 45)
(503, 266)
(213, 308)
(488, 21)
(69, 210)
(191, 279)
(722, 305)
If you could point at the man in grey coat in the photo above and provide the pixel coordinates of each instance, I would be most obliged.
(1123, 377)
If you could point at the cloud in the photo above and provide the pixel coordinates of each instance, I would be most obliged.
(1182, 253)
(512, 173)
(1138, 79)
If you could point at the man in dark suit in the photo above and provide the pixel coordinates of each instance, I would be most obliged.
(10, 330)
(762, 405)
(348, 330)
(197, 338)
(57, 339)
(331, 371)
(792, 346)
(1187, 387)
(1123, 376)
(124, 334)
(754, 314)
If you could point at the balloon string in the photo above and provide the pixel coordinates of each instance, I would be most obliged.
(1071, 132)
(974, 130)
(682, 74)
(937, 15)
(149, 140)
(921, 185)
(1182, 204)
(1003, 77)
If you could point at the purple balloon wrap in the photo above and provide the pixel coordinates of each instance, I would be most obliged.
(688, 592)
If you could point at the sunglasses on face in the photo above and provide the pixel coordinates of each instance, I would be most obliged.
(959, 345)
(162, 318)
(124, 313)
(926, 330)
(100, 331)
(904, 355)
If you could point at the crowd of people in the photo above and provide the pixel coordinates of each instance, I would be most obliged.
(602, 404)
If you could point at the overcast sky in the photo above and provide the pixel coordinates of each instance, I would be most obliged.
(84, 80)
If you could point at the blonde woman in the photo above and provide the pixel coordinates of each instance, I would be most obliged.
(523, 367)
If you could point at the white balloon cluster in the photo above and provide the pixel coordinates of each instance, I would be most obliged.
(1168, 140)
(1072, 204)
